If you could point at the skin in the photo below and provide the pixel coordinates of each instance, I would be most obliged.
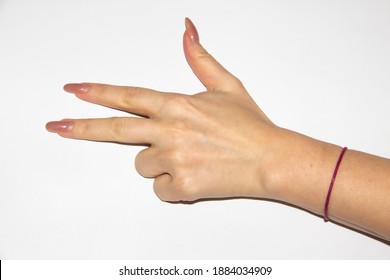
(197, 150)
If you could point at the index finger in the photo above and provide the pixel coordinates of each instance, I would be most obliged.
(136, 100)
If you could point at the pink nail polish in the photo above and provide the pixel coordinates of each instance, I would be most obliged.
(192, 32)
(60, 126)
(77, 88)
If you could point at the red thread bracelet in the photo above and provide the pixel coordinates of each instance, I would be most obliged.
(326, 217)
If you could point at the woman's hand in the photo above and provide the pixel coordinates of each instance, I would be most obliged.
(209, 145)
(219, 144)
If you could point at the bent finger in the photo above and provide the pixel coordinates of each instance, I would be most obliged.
(149, 163)
(162, 188)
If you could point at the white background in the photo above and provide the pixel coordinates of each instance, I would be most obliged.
(318, 67)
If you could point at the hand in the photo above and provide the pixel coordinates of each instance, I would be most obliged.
(209, 145)
(219, 144)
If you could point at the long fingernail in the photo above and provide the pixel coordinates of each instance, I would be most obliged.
(77, 88)
(192, 32)
(60, 126)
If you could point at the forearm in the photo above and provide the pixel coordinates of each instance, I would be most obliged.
(301, 173)
(361, 196)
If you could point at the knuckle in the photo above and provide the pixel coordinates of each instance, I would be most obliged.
(184, 188)
(179, 104)
(177, 131)
(118, 128)
(83, 129)
(126, 99)
(132, 91)
(237, 82)
(175, 158)
(203, 54)
(102, 89)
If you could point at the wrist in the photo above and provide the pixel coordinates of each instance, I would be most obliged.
(299, 169)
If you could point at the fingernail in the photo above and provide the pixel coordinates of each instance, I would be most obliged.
(60, 126)
(77, 88)
(192, 32)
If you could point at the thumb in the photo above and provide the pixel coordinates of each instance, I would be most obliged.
(212, 74)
